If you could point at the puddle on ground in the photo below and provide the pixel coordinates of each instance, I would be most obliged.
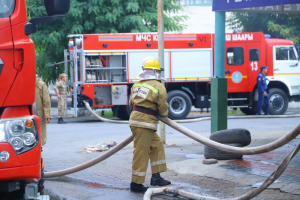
(82, 182)
(190, 156)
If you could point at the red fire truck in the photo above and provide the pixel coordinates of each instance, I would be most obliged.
(104, 68)
(20, 139)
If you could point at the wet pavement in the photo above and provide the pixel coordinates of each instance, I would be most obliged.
(110, 179)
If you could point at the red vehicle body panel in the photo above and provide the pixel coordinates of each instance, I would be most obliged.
(17, 92)
(26, 166)
(90, 91)
(140, 41)
(248, 69)
(18, 74)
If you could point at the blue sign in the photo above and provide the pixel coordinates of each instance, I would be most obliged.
(219, 5)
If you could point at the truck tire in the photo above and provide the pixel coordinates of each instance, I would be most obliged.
(180, 104)
(250, 111)
(279, 102)
(238, 135)
(124, 112)
(211, 153)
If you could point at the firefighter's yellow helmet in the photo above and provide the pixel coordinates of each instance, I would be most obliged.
(151, 64)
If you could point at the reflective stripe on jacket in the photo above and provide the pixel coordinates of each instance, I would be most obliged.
(149, 94)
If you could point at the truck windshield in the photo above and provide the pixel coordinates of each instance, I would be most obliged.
(6, 8)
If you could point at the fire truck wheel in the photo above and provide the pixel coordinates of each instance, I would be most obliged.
(124, 112)
(279, 102)
(250, 111)
(180, 104)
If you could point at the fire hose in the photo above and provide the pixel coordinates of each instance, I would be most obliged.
(236, 150)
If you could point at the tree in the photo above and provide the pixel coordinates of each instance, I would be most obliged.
(95, 16)
(281, 25)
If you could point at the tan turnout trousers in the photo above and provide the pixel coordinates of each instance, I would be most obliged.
(147, 144)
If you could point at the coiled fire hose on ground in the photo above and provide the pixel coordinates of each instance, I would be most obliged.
(245, 151)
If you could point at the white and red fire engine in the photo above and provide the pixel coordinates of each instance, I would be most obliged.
(105, 66)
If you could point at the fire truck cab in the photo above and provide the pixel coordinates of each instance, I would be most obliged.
(21, 165)
(245, 54)
(104, 67)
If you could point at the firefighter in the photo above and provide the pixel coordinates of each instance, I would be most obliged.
(262, 87)
(43, 106)
(148, 99)
(62, 97)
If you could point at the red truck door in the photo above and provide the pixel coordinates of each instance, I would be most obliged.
(256, 58)
(7, 70)
(236, 66)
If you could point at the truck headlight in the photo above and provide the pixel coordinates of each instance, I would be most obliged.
(15, 128)
(29, 139)
(20, 133)
(4, 156)
(16, 143)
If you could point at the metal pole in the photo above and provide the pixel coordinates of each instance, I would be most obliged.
(160, 25)
(66, 72)
(220, 44)
(75, 78)
(219, 82)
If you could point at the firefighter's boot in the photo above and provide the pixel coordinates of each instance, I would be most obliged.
(157, 180)
(62, 120)
(138, 187)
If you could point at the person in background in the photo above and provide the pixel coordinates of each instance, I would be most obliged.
(262, 86)
(43, 106)
(62, 97)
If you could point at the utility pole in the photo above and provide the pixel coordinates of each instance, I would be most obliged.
(219, 82)
(160, 25)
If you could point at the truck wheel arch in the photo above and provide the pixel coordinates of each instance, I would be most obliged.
(281, 85)
(275, 84)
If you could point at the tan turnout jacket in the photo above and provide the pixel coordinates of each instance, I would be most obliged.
(42, 99)
(149, 94)
(43, 106)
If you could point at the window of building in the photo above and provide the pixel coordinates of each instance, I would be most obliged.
(235, 55)
(189, 2)
(254, 54)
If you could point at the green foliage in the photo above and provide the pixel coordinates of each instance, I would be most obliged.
(95, 16)
(286, 26)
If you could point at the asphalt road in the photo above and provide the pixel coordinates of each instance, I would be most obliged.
(110, 179)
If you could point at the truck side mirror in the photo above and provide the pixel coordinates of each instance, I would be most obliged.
(57, 7)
